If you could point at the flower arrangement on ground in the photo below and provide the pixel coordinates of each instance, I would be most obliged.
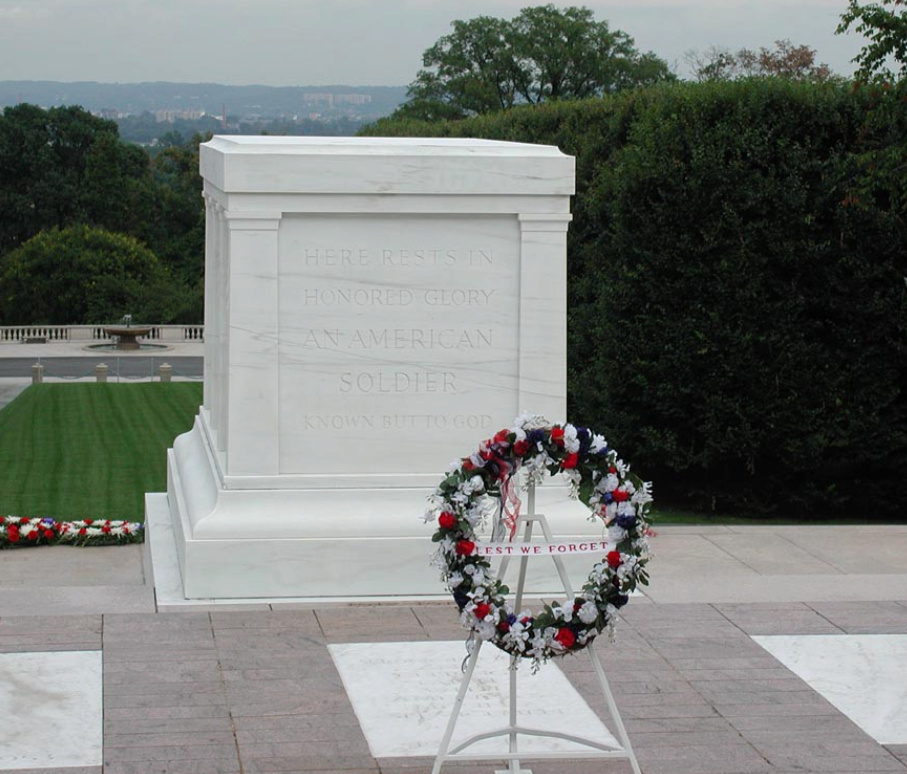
(16, 532)
(482, 487)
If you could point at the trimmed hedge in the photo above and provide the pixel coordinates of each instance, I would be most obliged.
(737, 293)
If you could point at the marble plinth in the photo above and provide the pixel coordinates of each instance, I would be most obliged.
(374, 308)
(320, 542)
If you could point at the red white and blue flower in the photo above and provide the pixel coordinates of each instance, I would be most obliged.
(19, 532)
(480, 488)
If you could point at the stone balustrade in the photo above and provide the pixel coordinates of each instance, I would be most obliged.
(31, 334)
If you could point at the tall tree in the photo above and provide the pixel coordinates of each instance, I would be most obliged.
(544, 53)
(64, 166)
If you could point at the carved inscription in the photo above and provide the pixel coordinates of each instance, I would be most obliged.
(389, 335)
(331, 296)
(398, 338)
(428, 257)
(396, 421)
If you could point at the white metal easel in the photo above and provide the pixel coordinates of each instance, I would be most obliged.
(513, 730)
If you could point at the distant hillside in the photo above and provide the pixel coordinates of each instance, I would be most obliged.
(365, 102)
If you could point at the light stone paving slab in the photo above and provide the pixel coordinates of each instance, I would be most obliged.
(772, 554)
(862, 675)
(55, 701)
(731, 587)
(403, 693)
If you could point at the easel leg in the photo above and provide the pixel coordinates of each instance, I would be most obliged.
(458, 705)
(612, 708)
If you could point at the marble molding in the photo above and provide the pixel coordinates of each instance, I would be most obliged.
(374, 308)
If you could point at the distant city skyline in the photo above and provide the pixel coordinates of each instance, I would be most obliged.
(355, 42)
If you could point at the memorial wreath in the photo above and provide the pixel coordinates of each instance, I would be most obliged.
(20, 532)
(483, 487)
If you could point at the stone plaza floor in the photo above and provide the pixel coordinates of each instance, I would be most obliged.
(757, 649)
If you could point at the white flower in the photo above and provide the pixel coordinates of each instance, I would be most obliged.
(454, 580)
(616, 534)
(588, 613)
(485, 629)
(532, 422)
(571, 442)
(598, 443)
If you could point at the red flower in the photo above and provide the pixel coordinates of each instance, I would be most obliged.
(23, 522)
(501, 436)
(2, 519)
(557, 435)
(83, 531)
(565, 637)
(33, 534)
(570, 461)
(520, 448)
(48, 533)
(465, 547)
(482, 610)
(504, 627)
(14, 536)
(105, 529)
(468, 464)
(614, 559)
(88, 521)
(447, 520)
(619, 495)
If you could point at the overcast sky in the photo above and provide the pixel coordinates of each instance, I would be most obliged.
(356, 42)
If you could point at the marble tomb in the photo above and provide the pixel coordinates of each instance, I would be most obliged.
(374, 308)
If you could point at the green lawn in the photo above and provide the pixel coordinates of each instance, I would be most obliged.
(90, 450)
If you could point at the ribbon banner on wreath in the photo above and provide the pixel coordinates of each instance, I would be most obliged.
(482, 487)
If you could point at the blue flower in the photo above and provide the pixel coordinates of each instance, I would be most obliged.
(608, 497)
(626, 520)
(536, 436)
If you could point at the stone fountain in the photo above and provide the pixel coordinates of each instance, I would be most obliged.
(127, 334)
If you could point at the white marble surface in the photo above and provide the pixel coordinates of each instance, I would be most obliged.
(50, 703)
(403, 693)
(863, 675)
(374, 309)
(398, 334)
(381, 165)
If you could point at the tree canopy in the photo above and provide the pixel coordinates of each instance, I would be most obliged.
(82, 275)
(887, 33)
(64, 166)
(784, 61)
(544, 53)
